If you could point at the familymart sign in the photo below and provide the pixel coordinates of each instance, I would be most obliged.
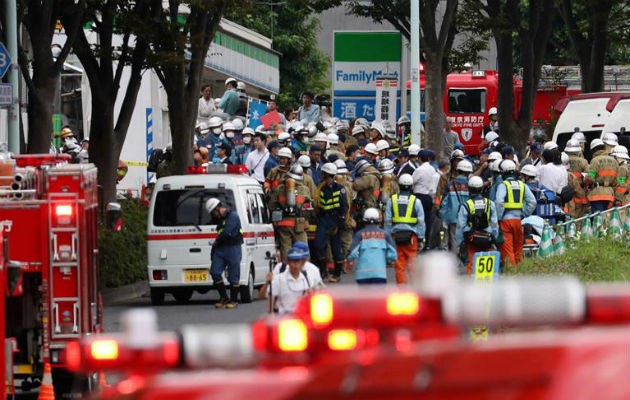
(360, 60)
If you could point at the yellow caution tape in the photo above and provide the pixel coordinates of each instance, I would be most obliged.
(136, 163)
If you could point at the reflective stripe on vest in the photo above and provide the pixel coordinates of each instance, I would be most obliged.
(479, 204)
(511, 187)
(333, 202)
(410, 216)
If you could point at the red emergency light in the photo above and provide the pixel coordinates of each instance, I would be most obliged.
(238, 169)
(36, 160)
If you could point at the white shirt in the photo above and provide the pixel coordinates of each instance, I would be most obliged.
(424, 179)
(553, 177)
(288, 290)
(255, 163)
(206, 108)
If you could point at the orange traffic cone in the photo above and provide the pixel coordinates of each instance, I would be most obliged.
(102, 382)
(46, 391)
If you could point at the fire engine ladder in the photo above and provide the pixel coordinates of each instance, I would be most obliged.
(65, 271)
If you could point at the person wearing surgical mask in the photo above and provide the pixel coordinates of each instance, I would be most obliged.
(240, 153)
(214, 139)
(228, 136)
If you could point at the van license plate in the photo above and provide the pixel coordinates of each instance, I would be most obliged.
(196, 275)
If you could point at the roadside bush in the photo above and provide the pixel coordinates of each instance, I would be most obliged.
(123, 255)
(594, 260)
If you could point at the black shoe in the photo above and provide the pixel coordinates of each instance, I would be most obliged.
(223, 302)
(223, 297)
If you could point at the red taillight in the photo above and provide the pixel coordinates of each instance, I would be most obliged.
(607, 305)
(160, 275)
(237, 169)
(196, 169)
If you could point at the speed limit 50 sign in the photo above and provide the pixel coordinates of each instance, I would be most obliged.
(486, 265)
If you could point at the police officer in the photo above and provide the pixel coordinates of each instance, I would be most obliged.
(514, 201)
(289, 200)
(241, 151)
(455, 195)
(332, 209)
(621, 191)
(477, 226)
(367, 185)
(344, 178)
(410, 166)
(578, 166)
(226, 252)
(215, 124)
(277, 173)
(404, 221)
(404, 132)
(602, 176)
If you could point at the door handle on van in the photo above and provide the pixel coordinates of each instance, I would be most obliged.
(195, 250)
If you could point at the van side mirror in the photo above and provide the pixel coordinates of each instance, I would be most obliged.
(114, 216)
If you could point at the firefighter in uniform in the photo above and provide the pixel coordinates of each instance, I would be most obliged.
(367, 185)
(404, 132)
(226, 252)
(276, 174)
(602, 177)
(514, 201)
(334, 149)
(621, 191)
(404, 221)
(307, 180)
(289, 199)
(578, 166)
(344, 178)
(477, 226)
(389, 183)
(331, 209)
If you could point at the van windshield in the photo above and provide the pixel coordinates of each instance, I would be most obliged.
(187, 206)
(467, 101)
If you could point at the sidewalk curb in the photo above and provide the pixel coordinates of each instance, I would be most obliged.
(124, 293)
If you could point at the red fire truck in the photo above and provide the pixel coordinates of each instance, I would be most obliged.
(469, 96)
(48, 211)
(556, 339)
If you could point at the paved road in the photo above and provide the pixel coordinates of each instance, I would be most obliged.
(200, 310)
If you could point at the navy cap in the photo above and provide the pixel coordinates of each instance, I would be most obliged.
(315, 147)
(403, 153)
(536, 147)
(507, 150)
(272, 145)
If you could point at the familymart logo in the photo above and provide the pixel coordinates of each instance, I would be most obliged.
(359, 76)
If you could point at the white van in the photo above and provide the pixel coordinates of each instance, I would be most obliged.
(180, 233)
(619, 122)
(587, 113)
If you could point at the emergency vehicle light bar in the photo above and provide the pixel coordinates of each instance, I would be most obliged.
(36, 160)
(216, 169)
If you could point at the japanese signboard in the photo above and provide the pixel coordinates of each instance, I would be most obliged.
(360, 60)
(385, 106)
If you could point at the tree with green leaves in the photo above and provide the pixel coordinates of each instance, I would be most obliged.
(40, 69)
(119, 26)
(179, 43)
(293, 29)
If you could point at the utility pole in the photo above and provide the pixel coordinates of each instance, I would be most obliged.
(13, 77)
(415, 72)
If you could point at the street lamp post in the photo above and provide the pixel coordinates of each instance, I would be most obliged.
(415, 71)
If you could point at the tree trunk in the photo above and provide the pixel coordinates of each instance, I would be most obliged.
(595, 75)
(40, 112)
(505, 64)
(182, 122)
(102, 138)
(434, 103)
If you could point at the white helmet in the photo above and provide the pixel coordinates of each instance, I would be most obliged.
(362, 121)
(464, 166)
(620, 152)
(248, 131)
(333, 138)
(312, 130)
(261, 129)
(390, 131)
(329, 168)
(379, 128)
(358, 129)
(283, 136)
(492, 111)
(240, 85)
(495, 155)
(529, 170)
(215, 122)
(494, 165)
(238, 124)
(296, 172)
(404, 120)
(405, 180)
(371, 216)
(320, 137)
(304, 161)
(361, 166)
(229, 80)
(382, 145)
(491, 136)
(285, 152)
(370, 148)
(341, 166)
(414, 149)
(550, 145)
(211, 204)
(573, 146)
(596, 143)
(228, 127)
(610, 139)
(579, 136)
(564, 157)
(386, 166)
(457, 154)
(508, 166)
(475, 182)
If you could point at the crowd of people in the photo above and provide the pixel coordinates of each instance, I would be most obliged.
(362, 196)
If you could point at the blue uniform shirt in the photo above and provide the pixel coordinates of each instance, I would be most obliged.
(529, 204)
(230, 102)
(373, 248)
(462, 221)
(418, 228)
(229, 231)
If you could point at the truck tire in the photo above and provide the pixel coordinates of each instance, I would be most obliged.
(157, 296)
(247, 291)
(183, 295)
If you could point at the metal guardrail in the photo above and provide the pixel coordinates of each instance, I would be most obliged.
(573, 221)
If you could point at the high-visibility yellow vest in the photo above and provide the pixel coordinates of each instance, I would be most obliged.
(410, 216)
(334, 201)
(481, 206)
(515, 190)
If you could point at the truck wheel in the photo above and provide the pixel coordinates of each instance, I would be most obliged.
(157, 296)
(247, 291)
(183, 295)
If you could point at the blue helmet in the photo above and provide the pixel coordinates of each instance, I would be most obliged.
(299, 251)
